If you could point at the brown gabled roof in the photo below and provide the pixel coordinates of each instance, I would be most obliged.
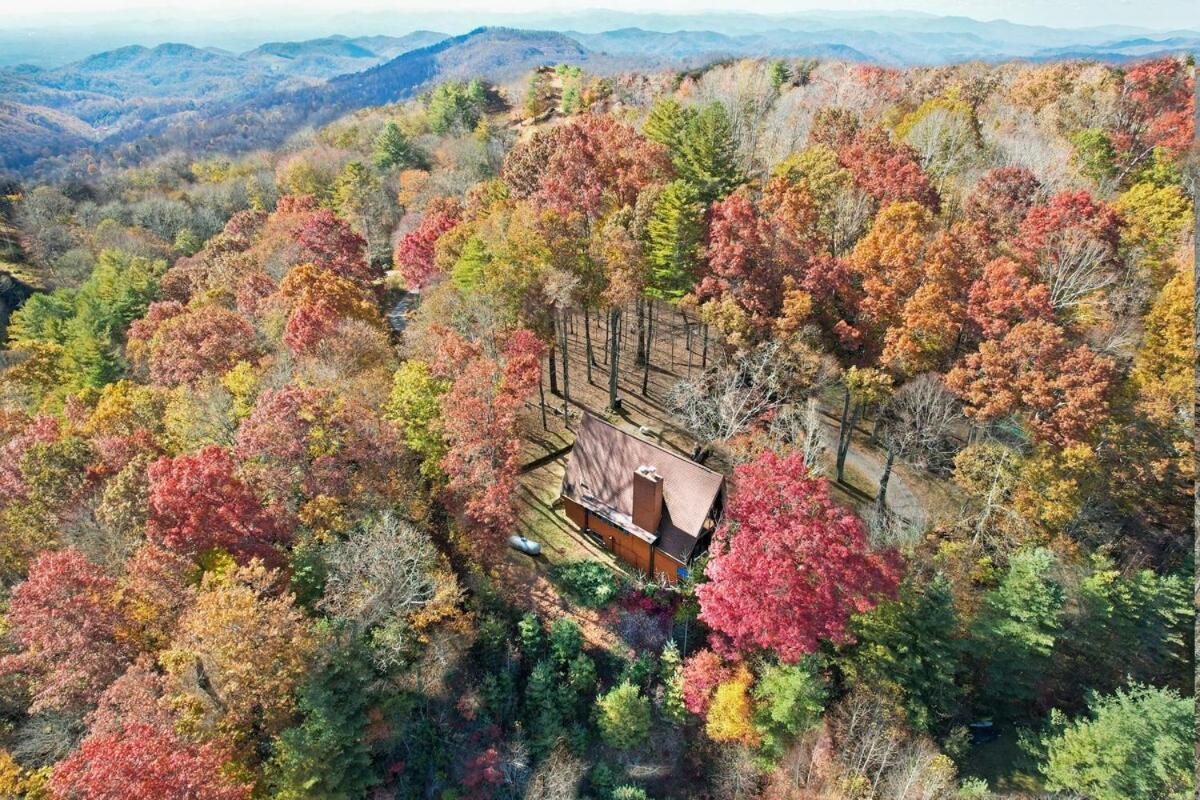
(600, 476)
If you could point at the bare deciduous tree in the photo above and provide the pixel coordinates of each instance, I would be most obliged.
(558, 777)
(798, 426)
(1018, 141)
(945, 142)
(888, 530)
(867, 735)
(919, 421)
(737, 776)
(873, 745)
(852, 212)
(726, 399)
(920, 773)
(1080, 267)
(917, 425)
(746, 91)
(383, 571)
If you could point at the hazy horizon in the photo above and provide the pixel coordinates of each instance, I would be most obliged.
(60, 31)
(1070, 14)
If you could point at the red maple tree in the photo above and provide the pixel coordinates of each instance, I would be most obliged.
(788, 566)
(330, 242)
(197, 503)
(193, 343)
(1159, 105)
(1000, 201)
(414, 252)
(590, 163)
(1005, 296)
(753, 249)
(144, 762)
(888, 171)
(480, 425)
(65, 619)
(702, 673)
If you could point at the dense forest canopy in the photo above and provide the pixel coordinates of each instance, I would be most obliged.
(268, 421)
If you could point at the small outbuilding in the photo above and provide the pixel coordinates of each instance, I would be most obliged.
(654, 509)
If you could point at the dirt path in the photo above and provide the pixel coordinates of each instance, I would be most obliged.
(867, 463)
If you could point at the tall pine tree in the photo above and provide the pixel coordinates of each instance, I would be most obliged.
(1015, 635)
(912, 642)
(393, 149)
(666, 123)
(326, 755)
(673, 241)
(707, 154)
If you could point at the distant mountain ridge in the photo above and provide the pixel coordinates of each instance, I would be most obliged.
(905, 44)
(495, 54)
(338, 55)
(120, 93)
(210, 98)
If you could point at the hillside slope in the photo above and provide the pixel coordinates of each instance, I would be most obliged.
(118, 95)
(493, 54)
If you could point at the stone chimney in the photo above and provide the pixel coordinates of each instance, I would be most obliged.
(647, 498)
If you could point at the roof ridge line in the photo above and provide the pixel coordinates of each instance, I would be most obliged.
(685, 459)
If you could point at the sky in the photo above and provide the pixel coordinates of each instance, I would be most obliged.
(1155, 14)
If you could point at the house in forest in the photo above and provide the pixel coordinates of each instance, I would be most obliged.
(654, 509)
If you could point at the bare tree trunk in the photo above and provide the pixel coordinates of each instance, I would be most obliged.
(704, 354)
(846, 433)
(587, 338)
(687, 338)
(607, 331)
(566, 395)
(881, 500)
(841, 448)
(620, 336)
(640, 358)
(614, 352)
(550, 355)
(649, 345)
(671, 336)
(542, 399)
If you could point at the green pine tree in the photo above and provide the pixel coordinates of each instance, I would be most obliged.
(671, 670)
(356, 196)
(911, 641)
(456, 106)
(326, 755)
(1135, 743)
(674, 233)
(566, 641)
(91, 356)
(780, 74)
(789, 700)
(707, 153)
(1131, 626)
(123, 285)
(393, 149)
(187, 242)
(1015, 634)
(544, 707)
(624, 716)
(666, 122)
(469, 271)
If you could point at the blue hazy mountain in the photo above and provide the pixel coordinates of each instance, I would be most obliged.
(205, 91)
